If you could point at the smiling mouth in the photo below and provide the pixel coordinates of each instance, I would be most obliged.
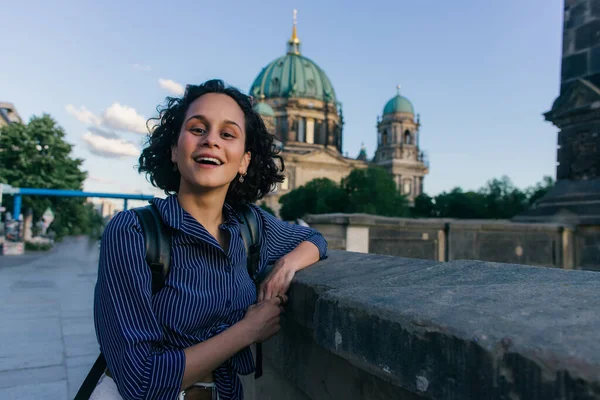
(208, 161)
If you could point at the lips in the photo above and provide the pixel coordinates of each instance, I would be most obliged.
(208, 159)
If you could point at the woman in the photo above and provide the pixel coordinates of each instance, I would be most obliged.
(209, 152)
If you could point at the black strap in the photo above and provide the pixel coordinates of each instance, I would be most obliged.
(157, 237)
(91, 380)
(251, 236)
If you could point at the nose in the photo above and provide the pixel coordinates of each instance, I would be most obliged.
(211, 139)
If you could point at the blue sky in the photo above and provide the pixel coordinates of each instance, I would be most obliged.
(480, 73)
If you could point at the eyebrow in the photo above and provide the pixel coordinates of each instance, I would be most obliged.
(205, 120)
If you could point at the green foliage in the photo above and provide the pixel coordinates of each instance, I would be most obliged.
(37, 246)
(370, 191)
(319, 196)
(424, 206)
(373, 191)
(36, 155)
(539, 190)
(498, 199)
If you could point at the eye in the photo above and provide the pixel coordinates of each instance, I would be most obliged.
(197, 130)
(228, 135)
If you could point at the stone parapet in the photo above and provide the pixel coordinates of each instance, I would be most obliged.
(543, 244)
(363, 326)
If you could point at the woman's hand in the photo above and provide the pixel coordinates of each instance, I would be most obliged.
(277, 282)
(262, 319)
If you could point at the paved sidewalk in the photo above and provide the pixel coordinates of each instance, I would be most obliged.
(47, 339)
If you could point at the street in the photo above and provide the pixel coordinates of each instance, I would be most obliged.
(47, 334)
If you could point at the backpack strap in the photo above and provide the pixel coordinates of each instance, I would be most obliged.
(157, 237)
(251, 236)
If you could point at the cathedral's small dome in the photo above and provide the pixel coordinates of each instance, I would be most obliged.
(398, 104)
(264, 109)
(293, 76)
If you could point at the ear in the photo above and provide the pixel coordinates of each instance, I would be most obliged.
(245, 163)
(174, 153)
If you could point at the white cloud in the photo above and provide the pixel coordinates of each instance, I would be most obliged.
(103, 132)
(172, 86)
(124, 118)
(140, 67)
(83, 115)
(111, 148)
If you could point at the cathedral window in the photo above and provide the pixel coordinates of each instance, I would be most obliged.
(407, 187)
(384, 139)
(301, 132)
(275, 83)
(407, 137)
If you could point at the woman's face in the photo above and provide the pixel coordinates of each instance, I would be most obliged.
(210, 150)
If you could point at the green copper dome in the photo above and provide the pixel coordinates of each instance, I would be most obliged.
(264, 109)
(293, 75)
(398, 104)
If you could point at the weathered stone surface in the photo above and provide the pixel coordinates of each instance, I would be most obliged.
(338, 272)
(576, 15)
(587, 35)
(470, 341)
(456, 330)
(588, 247)
(44, 391)
(574, 66)
(26, 376)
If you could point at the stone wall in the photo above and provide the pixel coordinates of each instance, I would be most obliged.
(540, 244)
(364, 326)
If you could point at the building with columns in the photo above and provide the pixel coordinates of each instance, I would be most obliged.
(299, 105)
(398, 148)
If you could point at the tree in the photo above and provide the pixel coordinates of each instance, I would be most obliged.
(370, 191)
(538, 191)
(36, 155)
(498, 199)
(424, 206)
(459, 204)
(319, 196)
(373, 191)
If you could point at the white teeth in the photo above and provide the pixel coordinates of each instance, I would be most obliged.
(210, 159)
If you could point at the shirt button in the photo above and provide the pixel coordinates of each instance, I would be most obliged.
(228, 304)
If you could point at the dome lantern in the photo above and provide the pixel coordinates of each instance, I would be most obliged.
(293, 76)
(294, 42)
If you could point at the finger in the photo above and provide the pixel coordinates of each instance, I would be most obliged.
(268, 292)
(261, 294)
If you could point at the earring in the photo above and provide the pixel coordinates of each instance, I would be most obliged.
(242, 178)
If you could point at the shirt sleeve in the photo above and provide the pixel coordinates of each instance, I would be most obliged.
(283, 237)
(127, 329)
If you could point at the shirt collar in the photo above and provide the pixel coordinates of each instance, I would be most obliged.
(172, 213)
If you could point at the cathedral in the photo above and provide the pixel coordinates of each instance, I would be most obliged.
(298, 104)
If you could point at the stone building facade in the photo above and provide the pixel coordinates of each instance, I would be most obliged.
(575, 198)
(299, 105)
(398, 148)
(8, 114)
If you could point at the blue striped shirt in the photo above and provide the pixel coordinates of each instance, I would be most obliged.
(207, 290)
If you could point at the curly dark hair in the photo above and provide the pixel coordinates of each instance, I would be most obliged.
(263, 172)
